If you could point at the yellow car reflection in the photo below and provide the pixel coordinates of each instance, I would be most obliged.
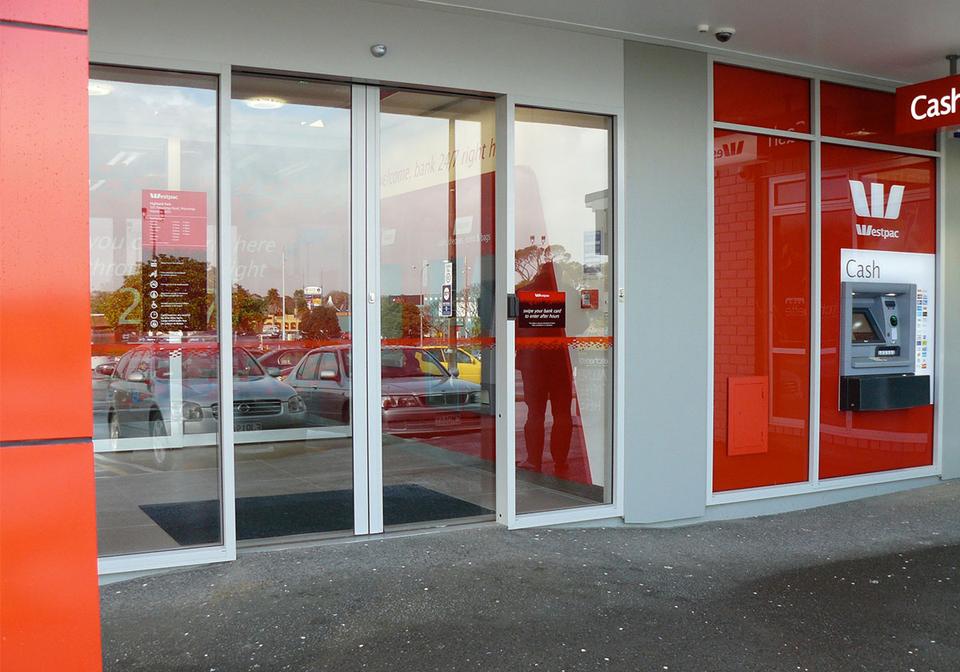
(468, 365)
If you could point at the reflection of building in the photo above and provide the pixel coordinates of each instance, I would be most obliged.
(289, 323)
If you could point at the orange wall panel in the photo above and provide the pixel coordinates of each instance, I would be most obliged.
(49, 605)
(45, 388)
(69, 14)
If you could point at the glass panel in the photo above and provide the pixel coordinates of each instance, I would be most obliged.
(436, 274)
(153, 295)
(564, 332)
(760, 98)
(867, 115)
(290, 177)
(762, 310)
(854, 442)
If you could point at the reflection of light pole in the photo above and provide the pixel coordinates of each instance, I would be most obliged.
(283, 293)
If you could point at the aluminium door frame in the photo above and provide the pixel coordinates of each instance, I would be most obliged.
(506, 245)
(227, 550)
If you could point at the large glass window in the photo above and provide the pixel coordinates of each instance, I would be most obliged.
(564, 330)
(290, 181)
(902, 248)
(153, 294)
(437, 385)
(866, 115)
(761, 310)
(760, 98)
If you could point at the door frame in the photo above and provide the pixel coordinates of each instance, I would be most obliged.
(365, 287)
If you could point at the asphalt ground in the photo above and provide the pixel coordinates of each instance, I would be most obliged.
(870, 585)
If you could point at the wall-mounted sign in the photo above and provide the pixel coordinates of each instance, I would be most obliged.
(174, 249)
(589, 299)
(929, 105)
(542, 310)
(446, 301)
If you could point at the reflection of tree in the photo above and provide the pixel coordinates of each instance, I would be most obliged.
(300, 303)
(528, 260)
(124, 306)
(274, 302)
(320, 322)
(401, 320)
(249, 310)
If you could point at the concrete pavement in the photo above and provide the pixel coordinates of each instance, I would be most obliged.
(869, 585)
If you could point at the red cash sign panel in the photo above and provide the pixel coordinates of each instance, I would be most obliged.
(929, 105)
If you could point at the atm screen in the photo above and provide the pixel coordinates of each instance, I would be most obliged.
(864, 327)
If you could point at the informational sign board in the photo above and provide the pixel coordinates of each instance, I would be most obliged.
(900, 267)
(446, 301)
(542, 310)
(174, 253)
(928, 105)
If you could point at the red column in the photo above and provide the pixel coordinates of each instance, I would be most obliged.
(49, 605)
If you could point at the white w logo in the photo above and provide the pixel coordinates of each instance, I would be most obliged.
(875, 210)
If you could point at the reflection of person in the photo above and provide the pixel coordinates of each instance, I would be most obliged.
(547, 375)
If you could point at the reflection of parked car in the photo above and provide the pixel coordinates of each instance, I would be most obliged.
(419, 397)
(282, 359)
(143, 389)
(468, 366)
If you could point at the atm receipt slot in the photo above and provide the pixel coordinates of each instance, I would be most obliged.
(878, 348)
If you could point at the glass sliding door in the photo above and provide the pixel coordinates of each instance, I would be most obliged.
(564, 328)
(436, 341)
(292, 307)
(155, 346)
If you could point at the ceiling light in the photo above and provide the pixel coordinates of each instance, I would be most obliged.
(862, 133)
(95, 88)
(265, 102)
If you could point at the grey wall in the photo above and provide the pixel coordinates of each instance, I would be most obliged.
(665, 100)
(333, 37)
(950, 302)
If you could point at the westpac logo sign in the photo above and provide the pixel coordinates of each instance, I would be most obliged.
(875, 209)
(734, 148)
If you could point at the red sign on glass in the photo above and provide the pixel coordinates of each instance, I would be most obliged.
(541, 310)
(174, 266)
(174, 220)
(929, 105)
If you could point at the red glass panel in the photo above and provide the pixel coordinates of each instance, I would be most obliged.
(865, 114)
(864, 442)
(759, 98)
(762, 310)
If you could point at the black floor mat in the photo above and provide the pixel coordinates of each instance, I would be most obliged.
(198, 522)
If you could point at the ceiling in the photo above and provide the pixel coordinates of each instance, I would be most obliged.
(894, 40)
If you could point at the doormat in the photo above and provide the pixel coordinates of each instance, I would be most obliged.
(198, 522)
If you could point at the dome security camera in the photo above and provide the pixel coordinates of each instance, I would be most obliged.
(724, 35)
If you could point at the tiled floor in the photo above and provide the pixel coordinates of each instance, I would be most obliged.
(126, 481)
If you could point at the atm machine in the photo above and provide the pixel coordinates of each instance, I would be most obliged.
(878, 348)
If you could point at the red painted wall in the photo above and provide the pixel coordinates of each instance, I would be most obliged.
(49, 608)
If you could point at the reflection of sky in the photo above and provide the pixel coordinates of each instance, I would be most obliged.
(569, 162)
(291, 186)
(291, 197)
(130, 132)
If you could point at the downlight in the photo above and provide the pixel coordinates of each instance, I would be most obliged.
(96, 88)
(265, 102)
